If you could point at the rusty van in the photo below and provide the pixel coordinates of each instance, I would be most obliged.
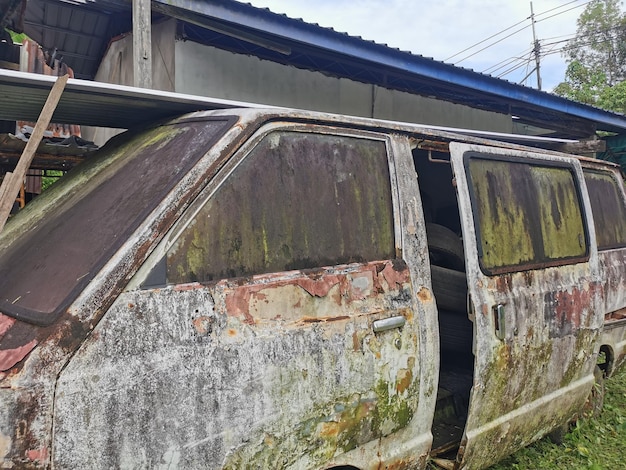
(286, 289)
(605, 185)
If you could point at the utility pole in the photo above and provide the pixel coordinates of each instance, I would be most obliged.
(536, 47)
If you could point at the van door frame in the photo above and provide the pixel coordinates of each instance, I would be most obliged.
(511, 312)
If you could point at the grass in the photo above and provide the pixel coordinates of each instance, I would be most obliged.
(594, 443)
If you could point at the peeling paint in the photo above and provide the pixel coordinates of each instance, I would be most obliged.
(10, 357)
(284, 370)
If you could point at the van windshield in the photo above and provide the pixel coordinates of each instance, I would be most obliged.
(53, 248)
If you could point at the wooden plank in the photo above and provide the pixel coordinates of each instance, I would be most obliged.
(584, 147)
(142, 44)
(12, 187)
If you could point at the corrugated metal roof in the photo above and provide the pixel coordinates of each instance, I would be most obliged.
(324, 49)
(242, 28)
(72, 31)
(96, 104)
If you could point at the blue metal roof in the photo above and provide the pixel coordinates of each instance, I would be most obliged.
(311, 46)
(245, 29)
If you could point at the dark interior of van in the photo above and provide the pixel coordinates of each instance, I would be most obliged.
(449, 282)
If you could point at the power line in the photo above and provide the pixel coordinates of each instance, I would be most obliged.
(516, 63)
(511, 27)
(506, 62)
(560, 13)
(485, 40)
(492, 44)
(561, 6)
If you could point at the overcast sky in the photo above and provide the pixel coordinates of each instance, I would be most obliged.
(443, 28)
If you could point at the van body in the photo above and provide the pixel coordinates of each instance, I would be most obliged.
(605, 185)
(285, 289)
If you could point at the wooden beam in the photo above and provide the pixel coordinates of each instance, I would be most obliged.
(584, 147)
(12, 181)
(142, 44)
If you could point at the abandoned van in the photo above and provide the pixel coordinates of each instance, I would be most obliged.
(284, 289)
(605, 186)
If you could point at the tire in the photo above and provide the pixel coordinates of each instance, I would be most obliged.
(445, 247)
(449, 289)
(456, 332)
(557, 435)
(595, 400)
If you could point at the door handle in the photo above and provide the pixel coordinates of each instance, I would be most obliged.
(498, 316)
(388, 323)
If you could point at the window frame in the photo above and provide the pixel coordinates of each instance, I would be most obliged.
(618, 185)
(532, 161)
(156, 263)
(114, 166)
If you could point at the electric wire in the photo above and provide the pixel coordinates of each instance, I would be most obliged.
(511, 27)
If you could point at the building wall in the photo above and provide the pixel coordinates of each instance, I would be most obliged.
(117, 67)
(209, 71)
(192, 68)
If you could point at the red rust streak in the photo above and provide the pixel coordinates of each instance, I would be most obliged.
(10, 357)
(394, 277)
(38, 455)
(5, 324)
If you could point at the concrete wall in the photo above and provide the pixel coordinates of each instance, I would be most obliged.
(189, 67)
(209, 71)
(117, 67)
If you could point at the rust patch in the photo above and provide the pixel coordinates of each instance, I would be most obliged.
(318, 287)
(563, 310)
(356, 342)
(5, 324)
(268, 295)
(503, 283)
(10, 357)
(238, 304)
(38, 455)
(403, 380)
(617, 315)
(325, 319)
(395, 277)
(203, 324)
(425, 295)
(186, 287)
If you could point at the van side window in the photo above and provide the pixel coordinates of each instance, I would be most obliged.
(609, 210)
(298, 200)
(527, 216)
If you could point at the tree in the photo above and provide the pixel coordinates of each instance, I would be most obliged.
(597, 57)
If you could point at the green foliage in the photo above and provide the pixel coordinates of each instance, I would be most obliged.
(597, 58)
(17, 38)
(50, 178)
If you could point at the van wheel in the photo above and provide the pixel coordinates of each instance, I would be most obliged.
(558, 435)
(445, 247)
(595, 401)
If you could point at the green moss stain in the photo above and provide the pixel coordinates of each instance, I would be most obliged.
(334, 428)
(526, 213)
(584, 342)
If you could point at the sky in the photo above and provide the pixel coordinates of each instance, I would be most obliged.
(443, 29)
